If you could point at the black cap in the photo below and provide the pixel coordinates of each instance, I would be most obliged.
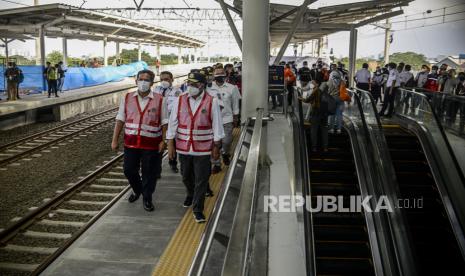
(196, 77)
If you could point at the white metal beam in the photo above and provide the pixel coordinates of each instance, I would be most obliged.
(352, 55)
(295, 23)
(231, 23)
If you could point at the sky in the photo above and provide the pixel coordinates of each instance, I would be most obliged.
(440, 39)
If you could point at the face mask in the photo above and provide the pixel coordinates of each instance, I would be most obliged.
(193, 91)
(165, 84)
(143, 86)
(462, 78)
(434, 71)
(219, 79)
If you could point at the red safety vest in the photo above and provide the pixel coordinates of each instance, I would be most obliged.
(142, 128)
(194, 130)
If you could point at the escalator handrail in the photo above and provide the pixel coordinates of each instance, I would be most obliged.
(203, 250)
(304, 178)
(400, 242)
(238, 249)
(442, 132)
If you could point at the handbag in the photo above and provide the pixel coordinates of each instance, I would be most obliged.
(343, 93)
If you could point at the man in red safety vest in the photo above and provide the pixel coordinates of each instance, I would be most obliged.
(195, 121)
(144, 117)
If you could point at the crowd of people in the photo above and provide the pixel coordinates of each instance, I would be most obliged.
(194, 122)
(325, 89)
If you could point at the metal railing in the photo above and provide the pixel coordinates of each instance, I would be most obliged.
(302, 180)
(203, 250)
(416, 107)
(396, 245)
(447, 108)
(237, 253)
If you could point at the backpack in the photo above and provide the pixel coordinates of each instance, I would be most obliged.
(327, 102)
(343, 94)
(20, 77)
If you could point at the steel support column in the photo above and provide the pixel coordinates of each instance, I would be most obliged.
(295, 23)
(105, 54)
(352, 55)
(118, 50)
(139, 52)
(255, 57)
(42, 53)
(65, 51)
(179, 55)
(387, 37)
(227, 14)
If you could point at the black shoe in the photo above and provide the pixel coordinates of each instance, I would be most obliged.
(199, 217)
(226, 160)
(174, 168)
(133, 197)
(209, 192)
(187, 202)
(216, 169)
(148, 206)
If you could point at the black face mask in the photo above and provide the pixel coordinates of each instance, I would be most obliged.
(462, 78)
(220, 79)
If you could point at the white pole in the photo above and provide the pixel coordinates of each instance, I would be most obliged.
(179, 55)
(105, 54)
(352, 55)
(387, 35)
(65, 51)
(255, 56)
(139, 52)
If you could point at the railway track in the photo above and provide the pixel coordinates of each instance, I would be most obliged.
(33, 242)
(32, 144)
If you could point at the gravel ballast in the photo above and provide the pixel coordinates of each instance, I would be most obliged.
(32, 181)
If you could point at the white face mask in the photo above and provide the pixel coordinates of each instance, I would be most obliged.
(193, 91)
(165, 84)
(143, 86)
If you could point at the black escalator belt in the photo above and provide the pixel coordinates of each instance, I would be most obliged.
(434, 242)
(341, 240)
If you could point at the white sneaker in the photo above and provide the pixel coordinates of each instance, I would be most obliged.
(331, 131)
(338, 131)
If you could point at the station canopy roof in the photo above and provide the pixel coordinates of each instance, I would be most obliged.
(316, 23)
(61, 20)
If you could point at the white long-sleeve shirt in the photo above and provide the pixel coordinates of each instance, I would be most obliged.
(217, 122)
(230, 96)
(170, 93)
(142, 103)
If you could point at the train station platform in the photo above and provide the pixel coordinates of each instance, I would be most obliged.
(39, 108)
(127, 240)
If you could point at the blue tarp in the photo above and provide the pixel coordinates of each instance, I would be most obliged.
(77, 77)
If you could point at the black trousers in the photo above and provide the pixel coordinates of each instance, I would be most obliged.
(195, 172)
(363, 86)
(149, 162)
(52, 87)
(389, 101)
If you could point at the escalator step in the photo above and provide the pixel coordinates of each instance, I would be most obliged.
(343, 165)
(405, 166)
(407, 177)
(342, 249)
(333, 176)
(325, 218)
(325, 189)
(344, 266)
(397, 154)
(333, 232)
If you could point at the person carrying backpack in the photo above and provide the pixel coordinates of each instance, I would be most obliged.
(52, 79)
(321, 108)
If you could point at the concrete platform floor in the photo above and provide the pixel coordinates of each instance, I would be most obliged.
(127, 240)
(41, 100)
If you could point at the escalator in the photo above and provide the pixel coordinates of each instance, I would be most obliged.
(434, 242)
(341, 241)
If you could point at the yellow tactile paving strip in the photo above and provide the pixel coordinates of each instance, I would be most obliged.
(178, 255)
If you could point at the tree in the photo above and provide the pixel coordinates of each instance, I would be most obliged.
(54, 57)
(414, 59)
